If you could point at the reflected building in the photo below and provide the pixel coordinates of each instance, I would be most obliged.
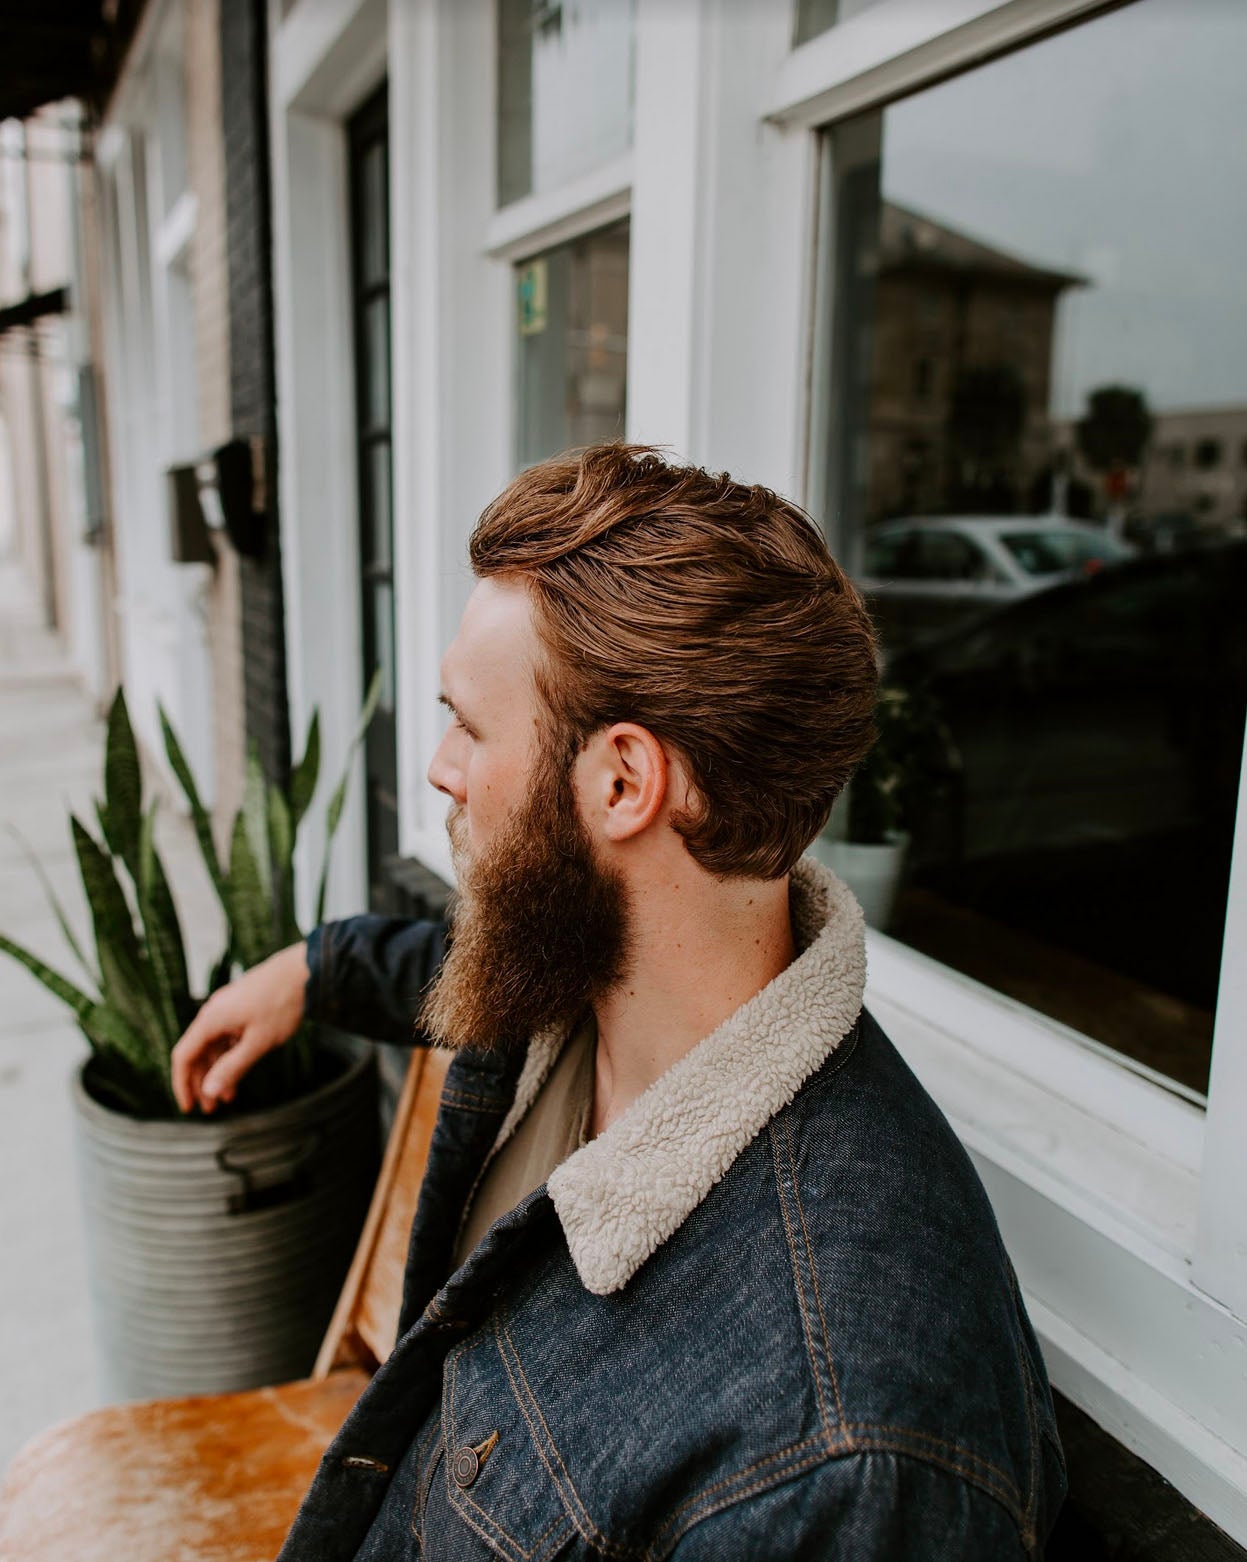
(961, 371)
(1196, 467)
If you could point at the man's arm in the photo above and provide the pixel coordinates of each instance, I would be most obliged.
(367, 973)
(865, 1507)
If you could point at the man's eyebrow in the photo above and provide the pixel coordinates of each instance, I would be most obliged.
(444, 699)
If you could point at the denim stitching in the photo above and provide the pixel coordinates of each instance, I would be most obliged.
(807, 1328)
(1006, 1479)
(812, 1462)
(468, 1101)
(1005, 1492)
(809, 1251)
(461, 1497)
(460, 1506)
(589, 1530)
(425, 1486)
(817, 1442)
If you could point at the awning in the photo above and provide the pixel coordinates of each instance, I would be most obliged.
(53, 49)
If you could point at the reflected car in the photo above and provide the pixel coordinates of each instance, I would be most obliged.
(1096, 730)
(924, 574)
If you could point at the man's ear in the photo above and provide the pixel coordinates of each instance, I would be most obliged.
(622, 778)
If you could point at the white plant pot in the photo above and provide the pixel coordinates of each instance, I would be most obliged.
(872, 872)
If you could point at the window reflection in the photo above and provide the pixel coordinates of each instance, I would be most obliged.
(572, 320)
(565, 90)
(1037, 384)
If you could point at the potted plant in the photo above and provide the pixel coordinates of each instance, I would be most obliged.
(216, 1245)
(867, 837)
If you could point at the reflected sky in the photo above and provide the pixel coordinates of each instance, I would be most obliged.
(1117, 151)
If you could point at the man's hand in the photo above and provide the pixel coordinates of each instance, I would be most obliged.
(237, 1025)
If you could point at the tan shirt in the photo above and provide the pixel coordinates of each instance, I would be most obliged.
(554, 1127)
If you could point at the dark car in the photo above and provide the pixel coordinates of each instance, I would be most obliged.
(1096, 730)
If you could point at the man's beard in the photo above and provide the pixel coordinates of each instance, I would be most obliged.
(540, 928)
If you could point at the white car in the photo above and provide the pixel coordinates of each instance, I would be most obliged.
(927, 573)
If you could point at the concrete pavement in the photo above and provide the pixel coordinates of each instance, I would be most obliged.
(51, 761)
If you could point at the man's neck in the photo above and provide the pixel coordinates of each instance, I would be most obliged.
(701, 949)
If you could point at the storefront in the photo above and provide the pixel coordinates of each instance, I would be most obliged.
(965, 279)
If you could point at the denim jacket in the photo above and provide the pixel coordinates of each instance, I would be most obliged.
(766, 1314)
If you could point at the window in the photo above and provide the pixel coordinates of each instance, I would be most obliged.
(816, 16)
(368, 140)
(1073, 850)
(565, 90)
(572, 321)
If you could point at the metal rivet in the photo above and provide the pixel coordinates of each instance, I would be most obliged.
(465, 1467)
(363, 1462)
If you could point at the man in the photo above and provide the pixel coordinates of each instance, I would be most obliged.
(699, 1270)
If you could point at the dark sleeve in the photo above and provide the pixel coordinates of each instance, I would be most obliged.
(866, 1507)
(366, 974)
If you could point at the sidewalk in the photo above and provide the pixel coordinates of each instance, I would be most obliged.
(51, 761)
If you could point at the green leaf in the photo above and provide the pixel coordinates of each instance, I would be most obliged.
(199, 814)
(306, 773)
(107, 1030)
(250, 910)
(123, 786)
(368, 712)
(255, 815)
(163, 931)
(126, 978)
(58, 910)
(81, 1003)
(281, 850)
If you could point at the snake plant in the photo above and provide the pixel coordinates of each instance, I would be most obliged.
(137, 998)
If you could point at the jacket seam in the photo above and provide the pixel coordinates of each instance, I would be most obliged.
(809, 1254)
(576, 1509)
(1026, 1535)
(464, 1505)
(1008, 1486)
(807, 1329)
(818, 1442)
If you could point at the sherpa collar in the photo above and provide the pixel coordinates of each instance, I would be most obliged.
(622, 1195)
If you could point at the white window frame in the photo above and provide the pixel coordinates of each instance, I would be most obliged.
(1117, 1193)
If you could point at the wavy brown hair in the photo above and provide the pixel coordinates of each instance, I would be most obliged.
(708, 611)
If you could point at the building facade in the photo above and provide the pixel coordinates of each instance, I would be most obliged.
(880, 257)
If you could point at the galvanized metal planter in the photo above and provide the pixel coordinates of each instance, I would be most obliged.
(216, 1249)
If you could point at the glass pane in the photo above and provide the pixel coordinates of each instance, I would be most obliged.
(377, 363)
(375, 514)
(816, 16)
(379, 639)
(1037, 383)
(572, 318)
(374, 238)
(565, 90)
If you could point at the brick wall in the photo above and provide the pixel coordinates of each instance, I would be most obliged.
(210, 288)
(251, 376)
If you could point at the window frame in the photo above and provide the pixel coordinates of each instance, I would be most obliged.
(1082, 1150)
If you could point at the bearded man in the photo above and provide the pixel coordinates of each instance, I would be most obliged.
(699, 1270)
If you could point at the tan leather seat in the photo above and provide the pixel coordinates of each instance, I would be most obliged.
(219, 1477)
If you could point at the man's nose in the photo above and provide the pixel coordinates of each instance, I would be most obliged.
(446, 776)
